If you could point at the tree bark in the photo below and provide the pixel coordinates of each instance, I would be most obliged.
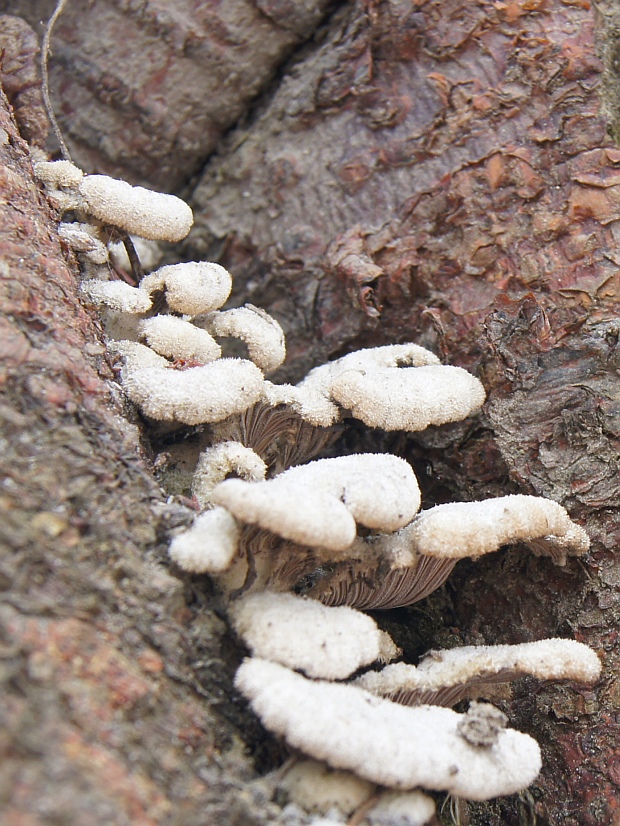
(435, 172)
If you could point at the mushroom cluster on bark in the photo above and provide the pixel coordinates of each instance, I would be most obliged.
(300, 545)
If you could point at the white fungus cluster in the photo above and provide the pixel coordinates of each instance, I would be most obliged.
(298, 547)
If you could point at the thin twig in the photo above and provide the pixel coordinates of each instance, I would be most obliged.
(134, 258)
(45, 89)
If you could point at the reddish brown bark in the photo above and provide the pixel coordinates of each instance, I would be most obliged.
(145, 90)
(115, 700)
(434, 171)
(449, 163)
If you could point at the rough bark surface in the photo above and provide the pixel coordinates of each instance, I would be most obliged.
(115, 705)
(170, 78)
(428, 171)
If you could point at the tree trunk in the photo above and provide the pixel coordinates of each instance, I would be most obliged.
(429, 171)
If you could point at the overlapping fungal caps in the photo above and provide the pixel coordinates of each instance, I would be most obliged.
(445, 677)
(346, 531)
(138, 211)
(392, 745)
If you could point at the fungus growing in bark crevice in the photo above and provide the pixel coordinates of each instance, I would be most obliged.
(318, 504)
(445, 677)
(340, 531)
(351, 729)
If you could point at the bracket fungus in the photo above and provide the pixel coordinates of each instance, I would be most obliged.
(342, 531)
(209, 546)
(307, 636)
(139, 211)
(318, 504)
(349, 728)
(445, 677)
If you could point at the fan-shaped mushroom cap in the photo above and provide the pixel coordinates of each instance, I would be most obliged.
(445, 677)
(58, 174)
(384, 742)
(408, 398)
(460, 529)
(305, 635)
(209, 393)
(179, 339)
(319, 503)
(210, 544)
(261, 333)
(117, 295)
(312, 397)
(217, 462)
(152, 215)
(192, 288)
(317, 788)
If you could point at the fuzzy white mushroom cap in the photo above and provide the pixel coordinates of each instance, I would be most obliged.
(217, 462)
(261, 333)
(479, 665)
(306, 635)
(209, 393)
(177, 338)
(210, 544)
(459, 529)
(139, 211)
(192, 288)
(117, 295)
(58, 174)
(317, 788)
(312, 397)
(381, 741)
(319, 503)
(408, 398)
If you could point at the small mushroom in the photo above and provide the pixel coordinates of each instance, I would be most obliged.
(459, 529)
(408, 398)
(117, 295)
(209, 393)
(319, 503)
(191, 288)
(58, 174)
(317, 788)
(139, 211)
(210, 544)
(313, 399)
(445, 677)
(218, 462)
(307, 636)
(177, 338)
(261, 333)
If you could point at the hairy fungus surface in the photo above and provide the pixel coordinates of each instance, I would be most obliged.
(192, 288)
(459, 529)
(445, 677)
(381, 741)
(318, 504)
(209, 546)
(139, 211)
(305, 635)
